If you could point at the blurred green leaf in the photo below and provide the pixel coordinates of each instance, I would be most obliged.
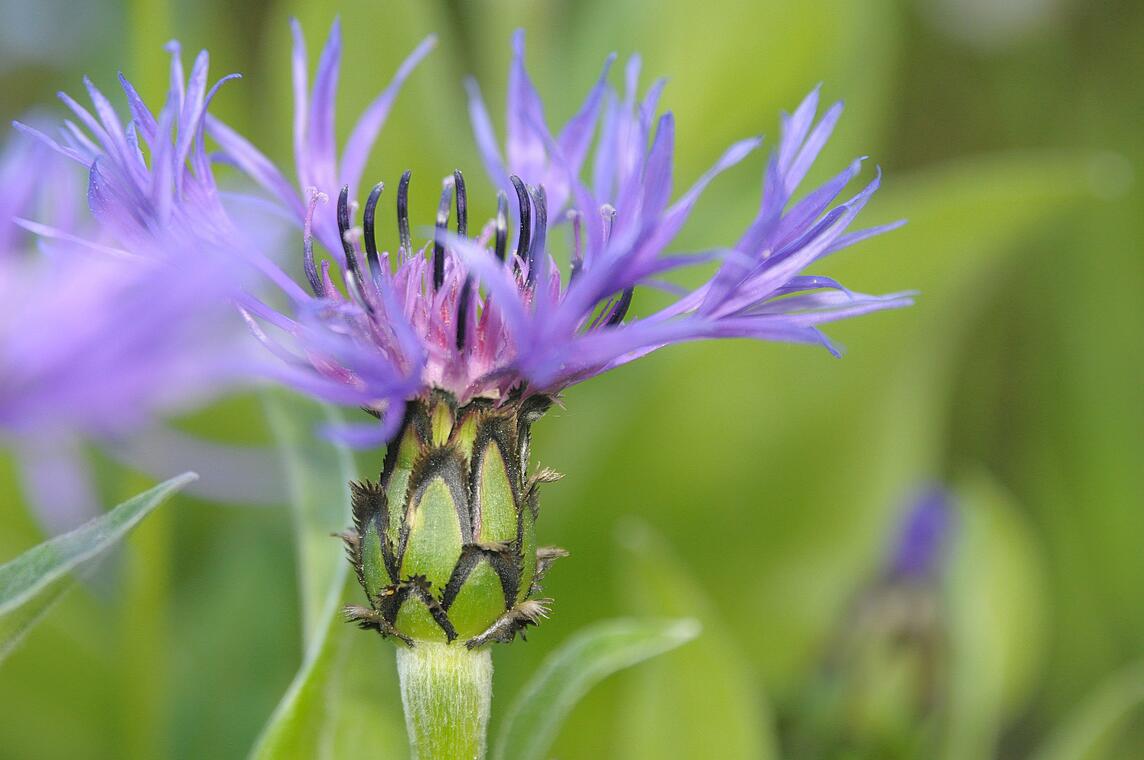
(342, 702)
(996, 617)
(962, 215)
(1074, 436)
(150, 28)
(144, 593)
(319, 473)
(732, 719)
(568, 673)
(1094, 724)
(32, 582)
(368, 713)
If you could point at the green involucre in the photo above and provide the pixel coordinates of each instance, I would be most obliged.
(444, 544)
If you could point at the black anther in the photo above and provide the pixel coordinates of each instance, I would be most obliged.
(463, 311)
(525, 206)
(343, 230)
(439, 238)
(536, 248)
(368, 227)
(405, 247)
(620, 310)
(462, 203)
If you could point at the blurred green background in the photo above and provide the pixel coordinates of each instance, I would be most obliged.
(754, 486)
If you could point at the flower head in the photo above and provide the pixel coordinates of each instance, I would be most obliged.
(459, 342)
(468, 313)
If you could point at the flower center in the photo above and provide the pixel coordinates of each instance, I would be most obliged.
(532, 211)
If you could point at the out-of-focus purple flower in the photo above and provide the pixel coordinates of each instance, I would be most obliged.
(39, 184)
(923, 536)
(97, 346)
(161, 251)
(477, 319)
(151, 188)
(117, 317)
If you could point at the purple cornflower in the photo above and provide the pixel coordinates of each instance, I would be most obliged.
(123, 315)
(923, 536)
(480, 319)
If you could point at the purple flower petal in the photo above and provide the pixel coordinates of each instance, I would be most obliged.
(365, 132)
(923, 536)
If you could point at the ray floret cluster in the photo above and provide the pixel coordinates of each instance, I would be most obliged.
(482, 317)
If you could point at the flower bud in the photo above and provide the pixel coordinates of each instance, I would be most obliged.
(882, 681)
(444, 545)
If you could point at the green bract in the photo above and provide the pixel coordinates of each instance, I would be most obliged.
(445, 544)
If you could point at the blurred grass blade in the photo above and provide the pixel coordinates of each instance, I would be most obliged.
(343, 702)
(1093, 726)
(318, 474)
(567, 674)
(300, 725)
(30, 583)
(25, 577)
(16, 624)
(336, 705)
(732, 719)
(150, 28)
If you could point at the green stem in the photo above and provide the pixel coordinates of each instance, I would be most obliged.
(446, 691)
